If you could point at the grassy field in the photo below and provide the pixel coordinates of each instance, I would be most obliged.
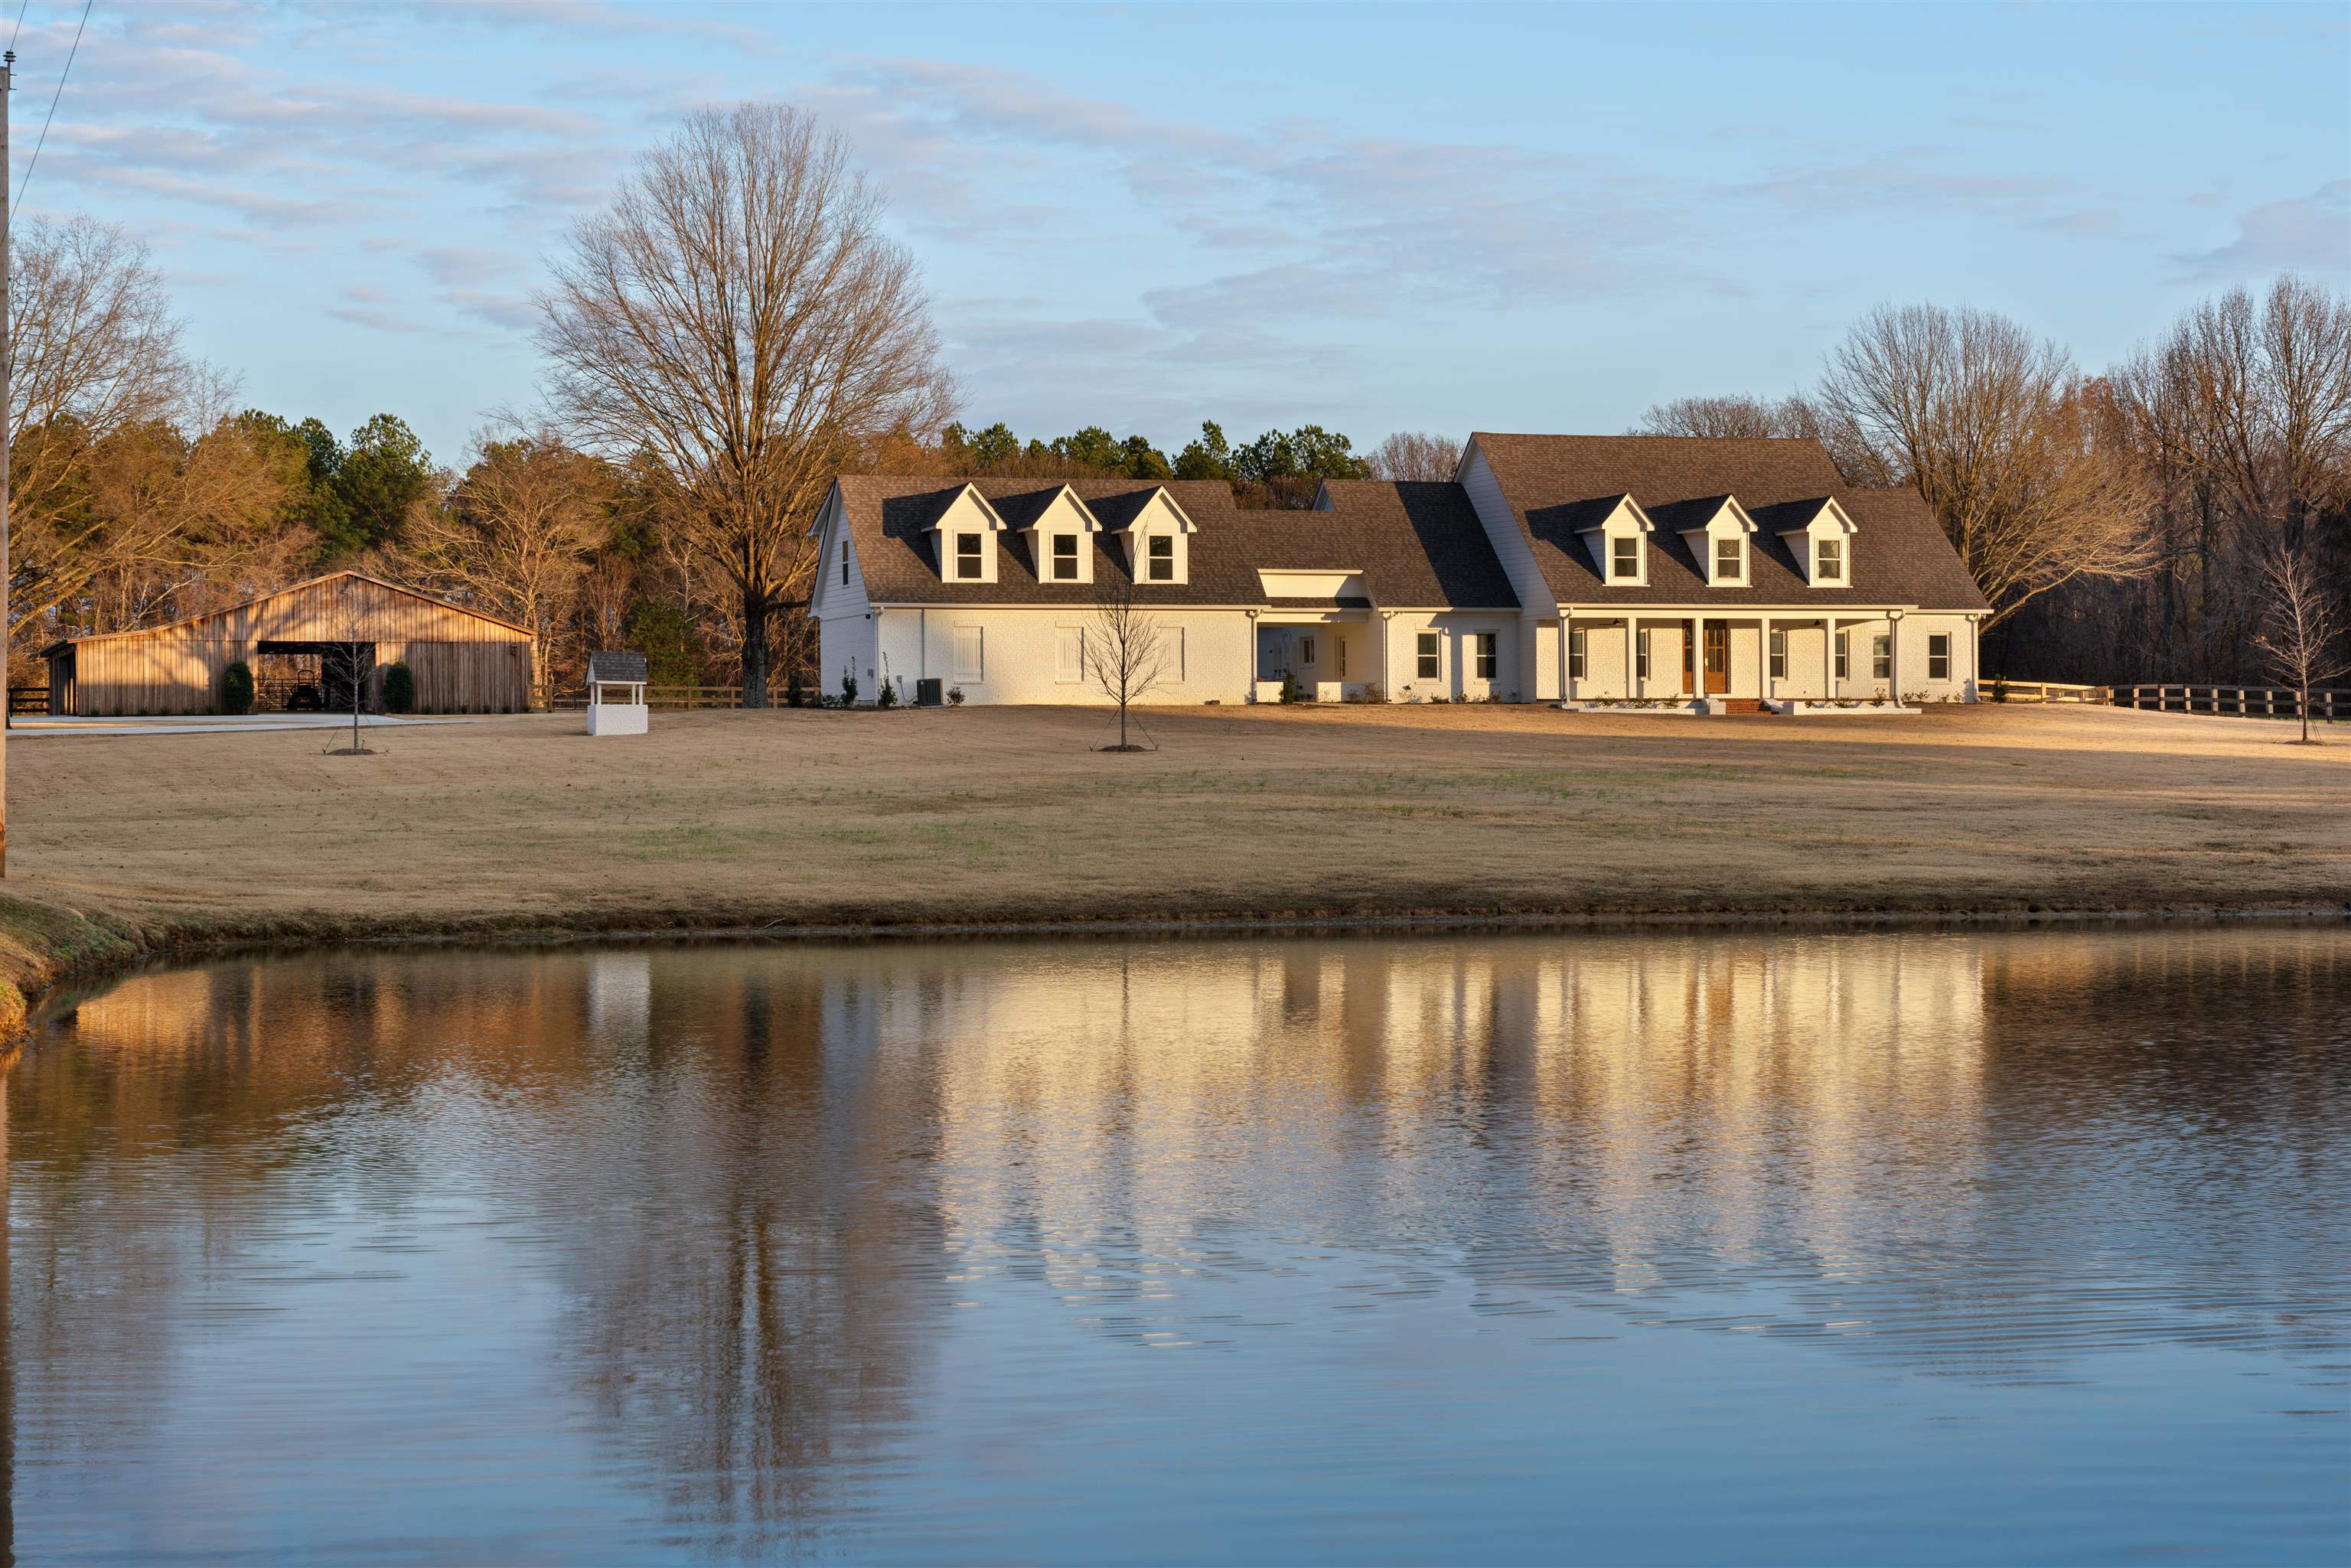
(990, 815)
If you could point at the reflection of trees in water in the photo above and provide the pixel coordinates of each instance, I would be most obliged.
(752, 1271)
(768, 1173)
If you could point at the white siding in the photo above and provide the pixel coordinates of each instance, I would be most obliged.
(1502, 529)
(1026, 656)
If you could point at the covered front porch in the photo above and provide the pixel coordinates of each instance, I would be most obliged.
(1329, 654)
(1669, 656)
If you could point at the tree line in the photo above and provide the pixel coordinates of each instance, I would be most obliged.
(734, 328)
(2132, 526)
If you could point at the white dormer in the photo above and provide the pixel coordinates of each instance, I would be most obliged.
(1723, 544)
(965, 534)
(1822, 543)
(1158, 540)
(1618, 540)
(1061, 538)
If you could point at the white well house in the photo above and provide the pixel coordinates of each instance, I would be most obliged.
(616, 693)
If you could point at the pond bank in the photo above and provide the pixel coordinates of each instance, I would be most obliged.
(1010, 819)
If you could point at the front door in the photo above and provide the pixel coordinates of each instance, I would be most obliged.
(1717, 658)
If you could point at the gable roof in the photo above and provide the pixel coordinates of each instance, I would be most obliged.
(890, 520)
(1552, 483)
(1418, 544)
(629, 668)
(293, 588)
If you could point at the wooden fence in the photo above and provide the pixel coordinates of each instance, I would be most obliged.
(671, 697)
(28, 701)
(2242, 702)
(2000, 691)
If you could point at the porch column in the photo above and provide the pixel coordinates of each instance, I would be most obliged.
(1632, 639)
(1828, 657)
(1387, 693)
(1566, 664)
(1767, 656)
(1894, 655)
(1698, 657)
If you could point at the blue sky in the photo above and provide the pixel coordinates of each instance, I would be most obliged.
(1142, 216)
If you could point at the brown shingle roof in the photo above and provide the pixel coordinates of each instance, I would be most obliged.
(1556, 484)
(889, 522)
(1418, 544)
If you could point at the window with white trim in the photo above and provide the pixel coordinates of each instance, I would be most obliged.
(1339, 654)
(844, 565)
(1730, 560)
(1482, 647)
(1575, 653)
(1828, 561)
(1625, 559)
(971, 654)
(1881, 658)
(1065, 558)
(1306, 650)
(1641, 656)
(1842, 654)
(967, 547)
(1426, 656)
(1160, 554)
(1938, 656)
(1778, 654)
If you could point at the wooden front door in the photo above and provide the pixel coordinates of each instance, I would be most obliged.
(1717, 658)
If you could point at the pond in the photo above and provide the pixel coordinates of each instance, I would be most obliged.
(1769, 1248)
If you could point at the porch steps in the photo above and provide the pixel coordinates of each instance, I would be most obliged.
(1739, 705)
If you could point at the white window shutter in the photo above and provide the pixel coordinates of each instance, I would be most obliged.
(1069, 654)
(970, 650)
(1174, 652)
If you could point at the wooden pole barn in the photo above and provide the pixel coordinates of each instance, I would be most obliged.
(299, 639)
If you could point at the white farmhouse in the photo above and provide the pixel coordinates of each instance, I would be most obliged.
(1719, 573)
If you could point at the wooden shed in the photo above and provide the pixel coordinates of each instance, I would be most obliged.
(298, 642)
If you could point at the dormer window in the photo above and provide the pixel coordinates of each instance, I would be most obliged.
(1160, 559)
(1730, 560)
(1625, 559)
(1065, 558)
(967, 556)
(1828, 561)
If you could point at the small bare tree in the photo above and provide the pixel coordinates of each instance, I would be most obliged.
(1414, 454)
(2299, 629)
(1125, 651)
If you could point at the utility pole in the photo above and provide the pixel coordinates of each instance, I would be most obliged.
(7, 403)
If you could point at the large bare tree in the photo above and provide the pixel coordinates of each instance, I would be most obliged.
(94, 354)
(514, 535)
(738, 314)
(2002, 437)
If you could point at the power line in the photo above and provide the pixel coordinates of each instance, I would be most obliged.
(44, 137)
(20, 24)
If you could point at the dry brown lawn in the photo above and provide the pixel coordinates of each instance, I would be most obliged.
(790, 817)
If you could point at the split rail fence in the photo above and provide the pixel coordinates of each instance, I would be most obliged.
(669, 697)
(2241, 702)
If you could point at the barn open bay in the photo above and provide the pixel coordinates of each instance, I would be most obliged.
(1754, 1247)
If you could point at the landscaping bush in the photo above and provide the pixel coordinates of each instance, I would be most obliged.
(399, 688)
(236, 689)
(1290, 693)
(955, 696)
(795, 696)
(848, 688)
(887, 696)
